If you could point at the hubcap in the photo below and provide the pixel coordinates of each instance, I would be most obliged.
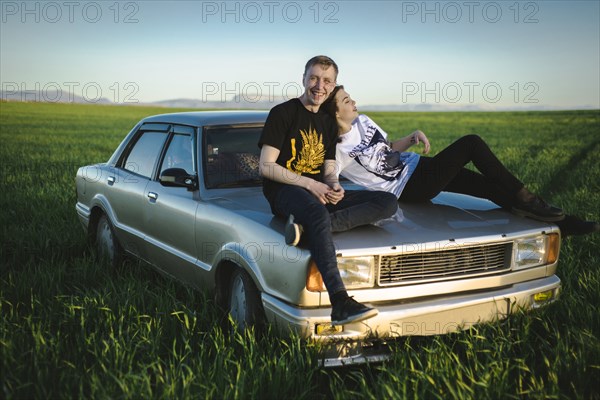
(105, 242)
(238, 302)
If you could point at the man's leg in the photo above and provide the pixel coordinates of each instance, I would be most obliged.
(316, 223)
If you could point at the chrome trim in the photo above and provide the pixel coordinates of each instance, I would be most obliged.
(388, 324)
(454, 263)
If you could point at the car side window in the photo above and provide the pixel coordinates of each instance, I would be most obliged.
(179, 154)
(145, 152)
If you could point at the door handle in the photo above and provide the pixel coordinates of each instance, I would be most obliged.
(152, 195)
(111, 180)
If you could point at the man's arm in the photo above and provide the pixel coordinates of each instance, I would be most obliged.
(275, 172)
(331, 178)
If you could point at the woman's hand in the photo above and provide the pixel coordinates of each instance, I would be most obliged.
(406, 142)
(335, 194)
(319, 190)
(419, 137)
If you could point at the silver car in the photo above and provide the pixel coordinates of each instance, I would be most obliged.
(183, 193)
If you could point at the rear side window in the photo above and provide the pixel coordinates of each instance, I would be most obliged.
(145, 152)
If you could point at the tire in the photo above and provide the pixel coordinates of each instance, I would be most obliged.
(244, 305)
(108, 248)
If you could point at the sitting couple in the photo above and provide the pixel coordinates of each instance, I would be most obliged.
(298, 164)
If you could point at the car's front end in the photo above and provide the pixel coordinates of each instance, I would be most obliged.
(426, 279)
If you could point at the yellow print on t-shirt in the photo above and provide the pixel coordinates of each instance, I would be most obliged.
(312, 153)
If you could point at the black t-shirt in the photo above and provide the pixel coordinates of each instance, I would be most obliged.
(304, 140)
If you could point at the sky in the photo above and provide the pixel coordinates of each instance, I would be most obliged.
(486, 54)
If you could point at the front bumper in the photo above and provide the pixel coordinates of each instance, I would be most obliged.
(424, 316)
(83, 214)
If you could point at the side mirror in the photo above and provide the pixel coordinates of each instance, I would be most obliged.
(178, 177)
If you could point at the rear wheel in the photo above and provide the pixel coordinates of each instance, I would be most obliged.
(108, 247)
(245, 306)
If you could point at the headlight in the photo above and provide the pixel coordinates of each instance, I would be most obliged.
(356, 273)
(534, 251)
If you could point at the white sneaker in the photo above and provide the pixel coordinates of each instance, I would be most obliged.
(293, 231)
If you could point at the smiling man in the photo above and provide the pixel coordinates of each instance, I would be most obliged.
(297, 162)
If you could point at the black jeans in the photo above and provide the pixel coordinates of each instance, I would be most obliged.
(445, 172)
(358, 207)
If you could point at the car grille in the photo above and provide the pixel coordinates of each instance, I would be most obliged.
(444, 265)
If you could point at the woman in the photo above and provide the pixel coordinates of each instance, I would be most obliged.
(366, 157)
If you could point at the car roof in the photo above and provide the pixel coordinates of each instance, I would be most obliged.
(201, 118)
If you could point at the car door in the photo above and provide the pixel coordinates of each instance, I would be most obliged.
(128, 181)
(170, 211)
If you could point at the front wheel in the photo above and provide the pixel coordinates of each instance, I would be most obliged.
(108, 247)
(245, 307)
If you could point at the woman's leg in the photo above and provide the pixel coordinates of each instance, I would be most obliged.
(446, 171)
(361, 207)
(478, 185)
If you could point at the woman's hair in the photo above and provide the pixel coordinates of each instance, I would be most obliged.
(330, 105)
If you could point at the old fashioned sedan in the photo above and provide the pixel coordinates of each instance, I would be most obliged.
(182, 192)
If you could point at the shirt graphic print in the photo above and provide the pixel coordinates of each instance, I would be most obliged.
(375, 155)
(311, 154)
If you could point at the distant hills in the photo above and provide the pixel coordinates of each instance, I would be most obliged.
(49, 96)
(236, 102)
(241, 102)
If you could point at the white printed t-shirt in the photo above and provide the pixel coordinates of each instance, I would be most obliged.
(365, 157)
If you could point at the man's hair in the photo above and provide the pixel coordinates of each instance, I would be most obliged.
(330, 105)
(321, 60)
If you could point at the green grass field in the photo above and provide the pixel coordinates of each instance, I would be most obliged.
(73, 328)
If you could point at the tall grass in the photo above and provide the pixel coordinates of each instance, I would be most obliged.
(72, 327)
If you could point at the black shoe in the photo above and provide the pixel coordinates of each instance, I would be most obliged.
(538, 209)
(349, 310)
(572, 225)
(293, 231)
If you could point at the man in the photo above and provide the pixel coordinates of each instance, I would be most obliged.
(297, 162)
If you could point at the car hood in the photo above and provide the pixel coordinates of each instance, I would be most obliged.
(447, 218)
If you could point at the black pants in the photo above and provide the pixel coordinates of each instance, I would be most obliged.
(446, 172)
(358, 207)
